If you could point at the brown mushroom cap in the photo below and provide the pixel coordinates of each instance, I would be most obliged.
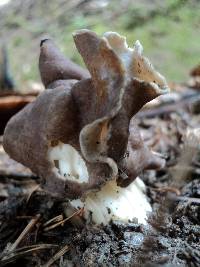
(92, 115)
(55, 66)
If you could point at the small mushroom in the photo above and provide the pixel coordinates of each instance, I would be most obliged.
(78, 138)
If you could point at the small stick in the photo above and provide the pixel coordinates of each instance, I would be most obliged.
(168, 108)
(24, 233)
(177, 192)
(10, 256)
(55, 219)
(59, 254)
(168, 189)
(63, 221)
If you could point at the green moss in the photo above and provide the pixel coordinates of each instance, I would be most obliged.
(171, 40)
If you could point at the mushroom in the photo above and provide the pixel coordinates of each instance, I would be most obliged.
(78, 137)
(57, 70)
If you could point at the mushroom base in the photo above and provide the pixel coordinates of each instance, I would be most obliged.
(116, 203)
(112, 202)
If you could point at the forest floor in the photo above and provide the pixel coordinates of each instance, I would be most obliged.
(35, 232)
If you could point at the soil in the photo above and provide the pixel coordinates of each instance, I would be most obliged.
(172, 237)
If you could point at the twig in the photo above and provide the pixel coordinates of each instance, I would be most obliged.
(78, 212)
(168, 108)
(168, 189)
(176, 191)
(59, 254)
(24, 233)
(55, 219)
(11, 256)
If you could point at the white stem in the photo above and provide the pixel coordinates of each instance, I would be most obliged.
(116, 203)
